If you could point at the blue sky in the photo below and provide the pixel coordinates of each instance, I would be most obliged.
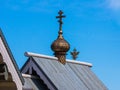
(90, 26)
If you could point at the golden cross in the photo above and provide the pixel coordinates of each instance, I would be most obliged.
(60, 19)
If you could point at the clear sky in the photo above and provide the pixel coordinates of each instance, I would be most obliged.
(90, 26)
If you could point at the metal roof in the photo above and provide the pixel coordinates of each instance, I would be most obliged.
(71, 76)
(29, 54)
(33, 83)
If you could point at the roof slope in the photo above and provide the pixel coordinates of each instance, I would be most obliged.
(73, 75)
(4, 42)
(33, 83)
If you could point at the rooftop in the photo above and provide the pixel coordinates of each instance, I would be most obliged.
(28, 54)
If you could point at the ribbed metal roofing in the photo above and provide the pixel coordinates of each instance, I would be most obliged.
(71, 76)
(33, 83)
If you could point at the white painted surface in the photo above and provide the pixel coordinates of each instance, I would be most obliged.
(11, 68)
(29, 76)
(55, 58)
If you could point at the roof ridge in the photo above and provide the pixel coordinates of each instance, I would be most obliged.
(28, 54)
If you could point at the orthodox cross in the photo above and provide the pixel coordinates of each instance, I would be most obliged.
(74, 53)
(60, 19)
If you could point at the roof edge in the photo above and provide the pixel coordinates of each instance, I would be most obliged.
(11, 55)
(28, 54)
(29, 76)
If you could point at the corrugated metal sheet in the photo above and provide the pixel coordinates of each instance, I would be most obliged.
(34, 84)
(70, 76)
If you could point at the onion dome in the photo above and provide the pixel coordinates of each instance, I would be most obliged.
(60, 46)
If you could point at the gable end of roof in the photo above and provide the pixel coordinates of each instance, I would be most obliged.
(11, 56)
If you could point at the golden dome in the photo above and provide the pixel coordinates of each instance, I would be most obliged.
(60, 46)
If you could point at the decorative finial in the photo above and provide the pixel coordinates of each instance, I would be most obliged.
(74, 54)
(60, 46)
